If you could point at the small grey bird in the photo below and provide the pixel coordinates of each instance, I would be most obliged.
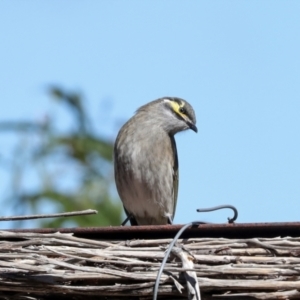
(146, 163)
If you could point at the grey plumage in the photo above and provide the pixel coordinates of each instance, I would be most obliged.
(146, 163)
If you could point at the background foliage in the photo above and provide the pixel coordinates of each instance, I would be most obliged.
(71, 168)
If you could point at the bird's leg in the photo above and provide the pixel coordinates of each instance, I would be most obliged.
(130, 218)
(126, 220)
(170, 221)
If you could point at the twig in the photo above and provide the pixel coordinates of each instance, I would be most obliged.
(190, 276)
(66, 214)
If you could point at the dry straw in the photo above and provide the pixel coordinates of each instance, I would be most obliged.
(39, 266)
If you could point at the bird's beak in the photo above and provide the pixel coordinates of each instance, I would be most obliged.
(192, 126)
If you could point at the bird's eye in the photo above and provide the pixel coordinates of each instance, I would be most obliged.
(182, 110)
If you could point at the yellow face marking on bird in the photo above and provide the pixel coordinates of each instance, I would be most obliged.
(178, 107)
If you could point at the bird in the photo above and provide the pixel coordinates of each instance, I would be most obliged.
(146, 161)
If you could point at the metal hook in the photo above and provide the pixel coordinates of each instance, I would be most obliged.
(221, 207)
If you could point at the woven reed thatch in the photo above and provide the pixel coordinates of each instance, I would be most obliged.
(61, 266)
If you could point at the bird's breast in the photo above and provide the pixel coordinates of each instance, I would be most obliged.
(145, 176)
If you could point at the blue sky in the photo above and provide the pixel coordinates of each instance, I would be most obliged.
(236, 62)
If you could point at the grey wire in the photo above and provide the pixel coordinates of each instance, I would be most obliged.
(155, 290)
(221, 207)
(167, 255)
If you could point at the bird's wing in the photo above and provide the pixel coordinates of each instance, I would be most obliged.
(175, 174)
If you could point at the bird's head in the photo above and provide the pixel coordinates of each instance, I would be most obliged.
(171, 113)
(181, 115)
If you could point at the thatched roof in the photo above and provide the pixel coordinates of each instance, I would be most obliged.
(36, 265)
